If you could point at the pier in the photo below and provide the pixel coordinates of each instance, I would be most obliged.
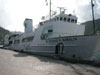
(16, 63)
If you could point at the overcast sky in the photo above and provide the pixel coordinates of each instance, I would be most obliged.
(14, 12)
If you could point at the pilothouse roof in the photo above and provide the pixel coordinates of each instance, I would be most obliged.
(62, 14)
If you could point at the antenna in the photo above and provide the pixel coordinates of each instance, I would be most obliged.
(50, 9)
(93, 16)
(62, 8)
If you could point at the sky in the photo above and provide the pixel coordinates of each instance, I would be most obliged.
(14, 12)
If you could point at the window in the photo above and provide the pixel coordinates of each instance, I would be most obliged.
(68, 19)
(70, 14)
(65, 19)
(25, 25)
(49, 31)
(60, 18)
(23, 40)
(75, 21)
(16, 41)
(72, 20)
(57, 18)
(28, 39)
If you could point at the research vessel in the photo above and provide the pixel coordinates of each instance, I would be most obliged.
(60, 35)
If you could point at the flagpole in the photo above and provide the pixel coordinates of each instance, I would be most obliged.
(93, 16)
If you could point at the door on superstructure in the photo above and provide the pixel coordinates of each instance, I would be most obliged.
(59, 49)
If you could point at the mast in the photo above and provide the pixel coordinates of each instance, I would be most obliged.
(60, 9)
(50, 9)
(93, 16)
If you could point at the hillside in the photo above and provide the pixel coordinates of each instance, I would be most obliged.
(3, 32)
(89, 26)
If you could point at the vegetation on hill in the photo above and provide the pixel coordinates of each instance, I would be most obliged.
(3, 32)
(89, 27)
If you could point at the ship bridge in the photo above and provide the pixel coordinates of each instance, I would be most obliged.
(61, 17)
(66, 17)
(62, 25)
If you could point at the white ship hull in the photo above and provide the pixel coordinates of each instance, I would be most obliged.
(74, 47)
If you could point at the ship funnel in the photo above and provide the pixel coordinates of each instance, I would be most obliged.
(28, 25)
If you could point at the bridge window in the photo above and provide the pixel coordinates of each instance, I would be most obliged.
(70, 14)
(57, 18)
(61, 18)
(68, 19)
(75, 21)
(65, 19)
(49, 31)
(72, 20)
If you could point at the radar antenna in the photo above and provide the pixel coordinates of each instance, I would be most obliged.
(62, 8)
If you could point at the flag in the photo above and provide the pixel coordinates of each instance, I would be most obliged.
(46, 2)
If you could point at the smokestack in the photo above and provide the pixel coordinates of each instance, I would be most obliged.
(28, 25)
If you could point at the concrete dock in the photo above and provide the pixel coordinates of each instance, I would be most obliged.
(16, 63)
